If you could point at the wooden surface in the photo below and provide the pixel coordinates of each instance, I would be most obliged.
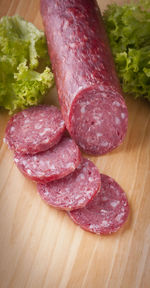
(41, 247)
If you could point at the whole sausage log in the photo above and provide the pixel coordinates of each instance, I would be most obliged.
(89, 92)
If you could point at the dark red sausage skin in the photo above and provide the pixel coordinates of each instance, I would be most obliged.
(91, 100)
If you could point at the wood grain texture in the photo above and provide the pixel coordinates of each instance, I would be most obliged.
(41, 247)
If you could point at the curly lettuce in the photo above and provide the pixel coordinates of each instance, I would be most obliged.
(25, 74)
(128, 29)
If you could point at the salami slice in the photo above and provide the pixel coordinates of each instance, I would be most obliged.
(73, 191)
(55, 163)
(106, 212)
(90, 96)
(35, 129)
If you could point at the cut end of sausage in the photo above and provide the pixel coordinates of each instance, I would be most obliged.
(99, 120)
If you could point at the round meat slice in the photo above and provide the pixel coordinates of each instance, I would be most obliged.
(73, 191)
(35, 129)
(107, 211)
(52, 164)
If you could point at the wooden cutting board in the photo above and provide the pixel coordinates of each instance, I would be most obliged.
(40, 246)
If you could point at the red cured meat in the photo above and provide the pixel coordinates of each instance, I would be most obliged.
(52, 164)
(107, 211)
(91, 100)
(35, 129)
(73, 191)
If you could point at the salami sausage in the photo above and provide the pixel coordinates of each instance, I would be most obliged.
(55, 163)
(73, 191)
(35, 129)
(106, 212)
(91, 100)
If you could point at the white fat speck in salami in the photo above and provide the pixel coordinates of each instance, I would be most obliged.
(51, 164)
(35, 129)
(106, 212)
(73, 191)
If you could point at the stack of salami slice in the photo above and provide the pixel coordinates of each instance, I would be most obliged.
(45, 153)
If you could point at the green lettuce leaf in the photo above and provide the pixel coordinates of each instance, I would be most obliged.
(128, 29)
(25, 74)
